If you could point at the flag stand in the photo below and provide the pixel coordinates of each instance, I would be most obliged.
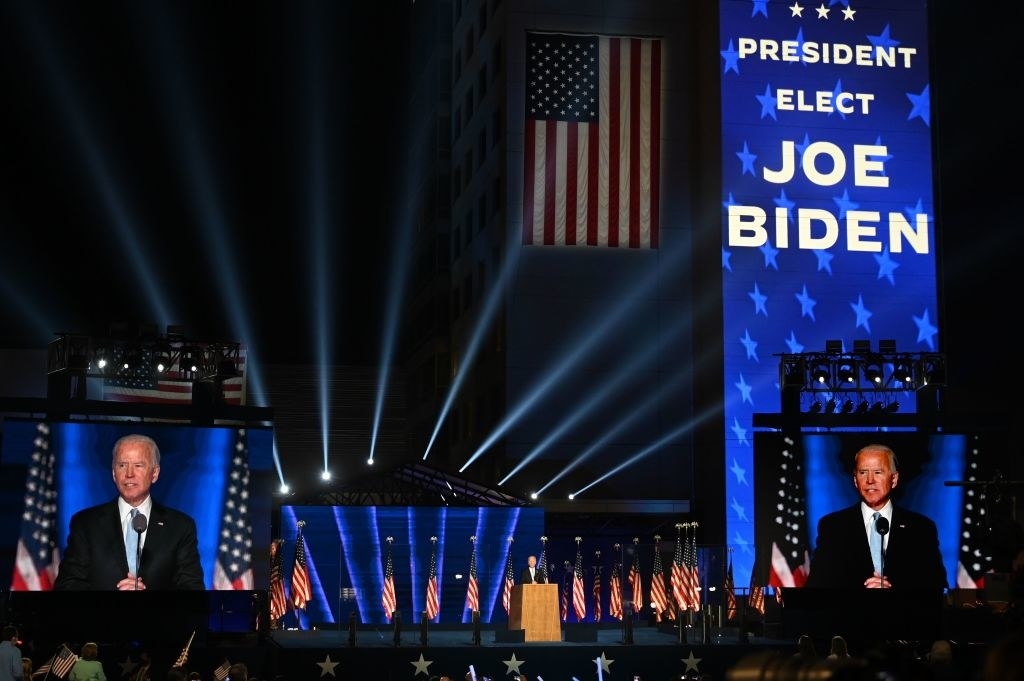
(476, 627)
(397, 619)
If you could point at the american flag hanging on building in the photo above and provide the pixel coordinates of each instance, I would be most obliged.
(597, 586)
(172, 386)
(233, 569)
(579, 605)
(37, 558)
(387, 597)
(510, 580)
(472, 588)
(278, 601)
(301, 592)
(659, 598)
(432, 605)
(692, 571)
(679, 579)
(730, 593)
(592, 154)
(615, 587)
(635, 581)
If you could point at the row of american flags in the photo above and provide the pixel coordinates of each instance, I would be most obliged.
(672, 591)
(37, 557)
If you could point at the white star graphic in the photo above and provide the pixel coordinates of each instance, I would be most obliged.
(421, 666)
(606, 664)
(691, 662)
(327, 667)
(796, 9)
(513, 665)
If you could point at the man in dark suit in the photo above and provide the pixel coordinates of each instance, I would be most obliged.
(105, 541)
(910, 555)
(532, 574)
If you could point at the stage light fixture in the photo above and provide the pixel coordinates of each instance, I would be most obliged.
(846, 373)
(325, 475)
(863, 407)
(892, 407)
(834, 346)
(876, 408)
(873, 372)
(815, 407)
(903, 372)
(830, 406)
(847, 406)
(821, 374)
(861, 347)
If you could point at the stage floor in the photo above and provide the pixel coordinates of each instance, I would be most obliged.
(655, 654)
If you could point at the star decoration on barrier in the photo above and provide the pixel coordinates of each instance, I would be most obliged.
(606, 663)
(422, 666)
(513, 665)
(327, 666)
(691, 662)
(128, 666)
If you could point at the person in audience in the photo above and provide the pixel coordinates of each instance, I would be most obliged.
(87, 666)
(175, 674)
(805, 649)
(839, 649)
(26, 668)
(99, 558)
(1005, 659)
(238, 672)
(842, 557)
(10, 655)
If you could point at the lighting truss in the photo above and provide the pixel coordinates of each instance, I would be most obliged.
(145, 356)
(862, 372)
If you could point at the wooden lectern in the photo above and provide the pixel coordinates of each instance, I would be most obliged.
(534, 609)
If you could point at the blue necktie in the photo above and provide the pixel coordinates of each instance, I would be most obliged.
(131, 543)
(876, 543)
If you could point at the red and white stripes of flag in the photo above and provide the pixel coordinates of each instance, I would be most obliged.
(472, 588)
(432, 605)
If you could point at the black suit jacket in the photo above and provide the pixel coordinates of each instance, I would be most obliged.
(526, 579)
(95, 556)
(842, 557)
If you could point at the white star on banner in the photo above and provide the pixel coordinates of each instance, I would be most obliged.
(327, 666)
(606, 664)
(513, 665)
(691, 662)
(421, 666)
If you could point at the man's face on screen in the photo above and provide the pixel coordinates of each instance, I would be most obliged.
(134, 471)
(874, 477)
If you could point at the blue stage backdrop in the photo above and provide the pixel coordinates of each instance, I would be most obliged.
(803, 477)
(346, 549)
(198, 465)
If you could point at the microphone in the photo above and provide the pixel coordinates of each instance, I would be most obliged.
(882, 528)
(139, 524)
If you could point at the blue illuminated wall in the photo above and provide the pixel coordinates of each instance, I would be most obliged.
(827, 205)
(194, 471)
(346, 548)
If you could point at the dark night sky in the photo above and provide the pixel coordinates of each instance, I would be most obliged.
(176, 120)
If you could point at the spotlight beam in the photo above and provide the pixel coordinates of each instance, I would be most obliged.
(578, 351)
(619, 426)
(490, 307)
(196, 171)
(69, 102)
(650, 448)
(637, 361)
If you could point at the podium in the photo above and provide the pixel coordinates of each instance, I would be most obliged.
(534, 609)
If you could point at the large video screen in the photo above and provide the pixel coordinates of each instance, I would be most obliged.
(952, 478)
(199, 467)
(828, 228)
(346, 552)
